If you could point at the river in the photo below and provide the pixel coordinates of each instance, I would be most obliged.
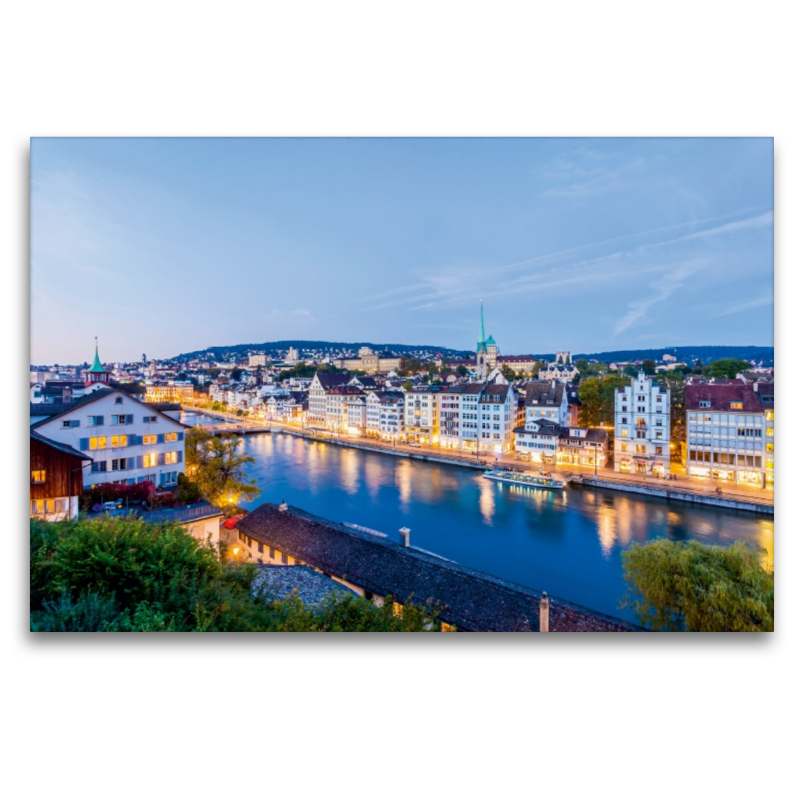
(568, 543)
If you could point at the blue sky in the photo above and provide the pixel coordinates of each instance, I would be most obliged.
(162, 246)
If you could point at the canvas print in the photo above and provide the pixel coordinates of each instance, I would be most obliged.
(402, 384)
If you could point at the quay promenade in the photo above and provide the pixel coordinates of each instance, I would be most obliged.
(682, 488)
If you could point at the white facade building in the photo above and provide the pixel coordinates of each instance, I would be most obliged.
(642, 428)
(548, 399)
(128, 440)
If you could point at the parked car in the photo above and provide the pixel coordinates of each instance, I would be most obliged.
(413, 444)
(112, 504)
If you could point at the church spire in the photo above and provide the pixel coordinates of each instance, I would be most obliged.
(483, 335)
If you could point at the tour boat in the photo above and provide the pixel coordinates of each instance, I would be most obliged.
(524, 479)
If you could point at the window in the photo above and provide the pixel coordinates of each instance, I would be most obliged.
(736, 405)
(770, 447)
(284, 558)
(705, 404)
(640, 448)
(70, 423)
(97, 443)
(623, 432)
(769, 416)
(118, 401)
(149, 438)
(94, 420)
(659, 435)
(624, 448)
(624, 420)
(121, 463)
(99, 466)
(150, 460)
(119, 441)
(122, 419)
(37, 476)
(149, 419)
(659, 450)
(171, 458)
(260, 547)
(770, 431)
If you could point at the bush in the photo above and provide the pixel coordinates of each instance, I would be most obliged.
(122, 574)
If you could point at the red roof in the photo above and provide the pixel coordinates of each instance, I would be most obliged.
(721, 395)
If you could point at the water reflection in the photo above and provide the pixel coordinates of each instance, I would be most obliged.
(569, 543)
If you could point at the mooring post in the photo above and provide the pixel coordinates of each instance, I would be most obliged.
(544, 614)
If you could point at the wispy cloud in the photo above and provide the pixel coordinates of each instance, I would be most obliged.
(762, 301)
(582, 179)
(665, 287)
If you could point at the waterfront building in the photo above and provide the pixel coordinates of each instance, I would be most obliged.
(730, 432)
(356, 408)
(337, 399)
(537, 439)
(547, 399)
(642, 427)
(422, 414)
(318, 389)
(369, 361)
(385, 417)
(582, 446)
(128, 440)
(498, 414)
(56, 478)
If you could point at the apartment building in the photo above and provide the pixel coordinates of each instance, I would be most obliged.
(730, 432)
(337, 400)
(642, 428)
(498, 414)
(385, 415)
(321, 384)
(127, 440)
(422, 414)
(548, 399)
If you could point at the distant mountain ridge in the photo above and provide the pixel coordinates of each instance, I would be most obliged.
(689, 354)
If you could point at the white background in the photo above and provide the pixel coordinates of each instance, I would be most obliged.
(480, 716)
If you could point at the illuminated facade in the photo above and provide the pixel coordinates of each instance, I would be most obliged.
(730, 432)
(642, 428)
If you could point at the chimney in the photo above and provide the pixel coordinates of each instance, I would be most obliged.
(544, 614)
(283, 507)
(406, 534)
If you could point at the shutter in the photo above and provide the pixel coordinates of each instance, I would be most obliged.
(139, 462)
(160, 439)
(99, 420)
(180, 436)
(84, 444)
(160, 462)
(132, 440)
(129, 418)
(180, 456)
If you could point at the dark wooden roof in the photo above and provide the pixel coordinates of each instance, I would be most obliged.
(472, 600)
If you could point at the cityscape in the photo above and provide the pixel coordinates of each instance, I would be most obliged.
(388, 486)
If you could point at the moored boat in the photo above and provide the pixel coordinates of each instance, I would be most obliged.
(523, 479)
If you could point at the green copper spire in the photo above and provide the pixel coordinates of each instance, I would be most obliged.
(97, 366)
(483, 335)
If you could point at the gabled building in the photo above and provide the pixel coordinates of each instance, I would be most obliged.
(127, 440)
(547, 399)
(56, 478)
(422, 414)
(642, 428)
(321, 384)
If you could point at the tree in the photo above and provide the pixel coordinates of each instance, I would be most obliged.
(235, 374)
(408, 386)
(726, 368)
(217, 469)
(649, 366)
(462, 370)
(582, 365)
(597, 399)
(112, 574)
(508, 373)
(689, 586)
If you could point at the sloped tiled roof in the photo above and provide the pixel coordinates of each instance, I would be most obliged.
(543, 393)
(721, 395)
(472, 600)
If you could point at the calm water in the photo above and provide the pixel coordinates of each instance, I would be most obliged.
(568, 543)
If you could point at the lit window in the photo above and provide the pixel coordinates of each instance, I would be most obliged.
(171, 458)
(170, 437)
(770, 447)
(624, 432)
(97, 443)
(37, 476)
(770, 431)
(149, 438)
(119, 441)
(736, 405)
(150, 460)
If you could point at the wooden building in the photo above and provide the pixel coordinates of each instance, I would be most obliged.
(56, 478)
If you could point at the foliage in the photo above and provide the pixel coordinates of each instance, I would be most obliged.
(408, 386)
(508, 373)
(217, 469)
(649, 366)
(235, 374)
(409, 366)
(299, 371)
(582, 365)
(597, 399)
(726, 368)
(462, 370)
(127, 575)
(188, 490)
(677, 586)
(677, 402)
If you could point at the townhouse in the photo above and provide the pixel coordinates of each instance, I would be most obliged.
(422, 414)
(128, 441)
(337, 400)
(548, 399)
(730, 432)
(498, 415)
(642, 428)
(385, 416)
(318, 389)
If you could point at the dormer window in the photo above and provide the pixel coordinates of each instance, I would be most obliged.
(705, 404)
(736, 405)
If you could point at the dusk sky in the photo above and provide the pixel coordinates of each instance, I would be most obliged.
(162, 246)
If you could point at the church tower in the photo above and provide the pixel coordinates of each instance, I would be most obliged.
(482, 356)
(96, 374)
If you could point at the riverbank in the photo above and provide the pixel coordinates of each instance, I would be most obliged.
(610, 481)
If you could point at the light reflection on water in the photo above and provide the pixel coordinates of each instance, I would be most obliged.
(568, 543)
